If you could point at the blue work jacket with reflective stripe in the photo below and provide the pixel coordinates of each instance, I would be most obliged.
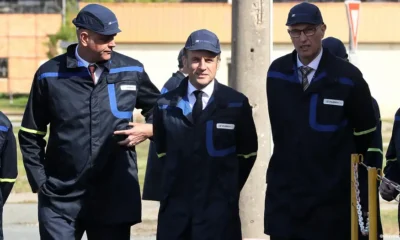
(83, 169)
(152, 182)
(392, 168)
(314, 133)
(8, 158)
(212, 158)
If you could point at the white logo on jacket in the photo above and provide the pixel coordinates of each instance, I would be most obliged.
(225, 126)
(128, 87)
(333, 102)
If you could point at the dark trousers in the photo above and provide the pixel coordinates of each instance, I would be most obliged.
(53, 226)
(178, 221)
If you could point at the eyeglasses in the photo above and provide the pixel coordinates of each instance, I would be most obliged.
(295, 33)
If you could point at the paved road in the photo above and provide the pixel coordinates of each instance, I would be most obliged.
(20, 223)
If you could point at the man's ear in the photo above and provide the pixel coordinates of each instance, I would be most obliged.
(83, 37)
(185, 61)
(323, 29)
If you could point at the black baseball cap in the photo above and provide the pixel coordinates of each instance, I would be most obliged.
(203, 39)
(97, 18)
(304, 12)
(335, 46)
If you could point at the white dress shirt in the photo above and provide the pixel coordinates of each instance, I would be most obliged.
(84, 63)
(207, 92)
(314, 65)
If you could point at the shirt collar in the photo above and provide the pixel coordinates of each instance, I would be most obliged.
(313, 64)
(81, 61)
(208, 90)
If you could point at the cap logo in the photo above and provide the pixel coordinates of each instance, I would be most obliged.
(202, 41)
(293, 15)
(112, 22)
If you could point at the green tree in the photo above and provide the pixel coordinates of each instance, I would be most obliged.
(67, 31)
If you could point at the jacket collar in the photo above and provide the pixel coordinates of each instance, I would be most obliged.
(73, 62)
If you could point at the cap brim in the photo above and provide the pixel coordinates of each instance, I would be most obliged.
(204, 47)
(303, 22)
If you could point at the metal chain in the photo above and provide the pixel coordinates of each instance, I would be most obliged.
(363, 230)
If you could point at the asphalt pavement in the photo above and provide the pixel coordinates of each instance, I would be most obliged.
(20, 223)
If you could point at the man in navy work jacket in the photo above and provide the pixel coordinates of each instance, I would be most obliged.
(392, 168)
(206, 139)
(8, 163)
(87, 179)
(152, 181)
(374, 155)
(321, 112)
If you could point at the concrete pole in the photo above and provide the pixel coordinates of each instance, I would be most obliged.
(251, 49)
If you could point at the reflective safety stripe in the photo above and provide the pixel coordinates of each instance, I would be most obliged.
(161, 155)
(8, 180)
(33, 131)
(248, 155)
(365, 132)
(391, 160)
(375, 150)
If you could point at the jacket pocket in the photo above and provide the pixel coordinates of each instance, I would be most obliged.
(220, 138)
(122, 97)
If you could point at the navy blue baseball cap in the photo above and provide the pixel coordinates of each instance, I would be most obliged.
(203, 39)
(335, 46)
(97, 18)
(304, 13)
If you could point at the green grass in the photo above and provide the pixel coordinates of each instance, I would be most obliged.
(389, 222)
(22, 185)
(17, 106)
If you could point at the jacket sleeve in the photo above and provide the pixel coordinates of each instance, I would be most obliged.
(392, 168)
(8, 170)
(32, 132)
(172, 83)
(247, 143)
(147, 96)
(374, 155)
(159, 137)
(361, 114)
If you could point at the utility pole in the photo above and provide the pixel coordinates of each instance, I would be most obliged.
(63, 11)
(251, 49)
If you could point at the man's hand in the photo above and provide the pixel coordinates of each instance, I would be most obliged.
(137, 134)
(387, 191)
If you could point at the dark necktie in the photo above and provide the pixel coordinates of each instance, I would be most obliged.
(198, 105)
(305, 70)
(92, 69)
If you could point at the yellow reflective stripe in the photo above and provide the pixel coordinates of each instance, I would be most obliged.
(161, 155)
(248, 155)
(391, 160)
(365, 132)
(8, 179)
(375, 150)
(33, 131)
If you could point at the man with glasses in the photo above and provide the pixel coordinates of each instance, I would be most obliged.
(321, 112)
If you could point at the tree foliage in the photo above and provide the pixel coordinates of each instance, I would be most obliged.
(67, 31)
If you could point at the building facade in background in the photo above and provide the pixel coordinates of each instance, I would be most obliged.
(161, 32)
